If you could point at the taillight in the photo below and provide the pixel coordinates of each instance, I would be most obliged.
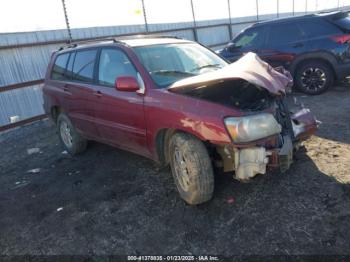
(341, 39)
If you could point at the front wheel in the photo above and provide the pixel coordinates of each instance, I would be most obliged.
(314, 77)
(191, 168)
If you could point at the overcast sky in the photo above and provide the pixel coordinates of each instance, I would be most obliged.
(32, 15)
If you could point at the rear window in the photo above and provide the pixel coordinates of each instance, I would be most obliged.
(58, 70)
(284, 33)
(83, 68)
(318, 28)
(342, 21)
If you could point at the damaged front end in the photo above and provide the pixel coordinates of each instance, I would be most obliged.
(267, 132)
(273, 151)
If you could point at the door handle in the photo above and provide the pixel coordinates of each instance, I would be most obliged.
(98, 93)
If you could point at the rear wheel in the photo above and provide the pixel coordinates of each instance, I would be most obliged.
(314, 77)
(191, 168)
(70, 138)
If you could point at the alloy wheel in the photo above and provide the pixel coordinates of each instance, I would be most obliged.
(181, 169)
(66, 134)
(313, 79)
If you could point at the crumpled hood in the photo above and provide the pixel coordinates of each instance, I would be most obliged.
(250, 68)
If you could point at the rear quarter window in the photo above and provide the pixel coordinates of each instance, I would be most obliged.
(58, 70)
(343, 21)
(318, 28)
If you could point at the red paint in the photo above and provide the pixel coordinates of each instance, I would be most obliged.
(126, 83)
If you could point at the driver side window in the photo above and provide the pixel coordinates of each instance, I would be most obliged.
(251, 38)
(114, 63)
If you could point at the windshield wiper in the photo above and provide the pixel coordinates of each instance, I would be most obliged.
(171, 72)
(206, 66)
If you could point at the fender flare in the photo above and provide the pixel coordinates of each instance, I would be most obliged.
(321, 56)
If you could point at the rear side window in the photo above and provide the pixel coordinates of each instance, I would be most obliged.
(284, 33)
(69, 69)
(83, 68)
(318, 28)
(58, 70)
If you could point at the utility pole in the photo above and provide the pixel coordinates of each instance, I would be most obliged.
(67, 22)
(257, 10)
(230, 20)
(144, 15)
(305, 6)
(194, 23)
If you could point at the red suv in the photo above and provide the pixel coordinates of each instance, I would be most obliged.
(175, 101)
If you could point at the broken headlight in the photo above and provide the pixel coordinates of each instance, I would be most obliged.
(250, 128)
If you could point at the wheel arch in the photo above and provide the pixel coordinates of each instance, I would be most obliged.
(326, 58)
(162, 140)
(55, 112)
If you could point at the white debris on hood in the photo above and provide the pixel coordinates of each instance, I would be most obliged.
(64, 152)
(250, 68)
(59, 209)
(34, 170)
(33, 150)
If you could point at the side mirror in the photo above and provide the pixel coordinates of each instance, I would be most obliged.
(232, 47)
(127, 84)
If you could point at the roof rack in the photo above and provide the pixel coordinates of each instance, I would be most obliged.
(115, 39)
(93, 40)
(138, 36)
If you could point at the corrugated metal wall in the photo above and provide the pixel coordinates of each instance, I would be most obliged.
(22, 59)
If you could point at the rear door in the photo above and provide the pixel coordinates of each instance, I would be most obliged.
(119, 115)
(285, 41)
(251, 40)
(78, 89)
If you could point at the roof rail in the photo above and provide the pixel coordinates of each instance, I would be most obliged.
(92, 40)
(138, 36)
(115, 39)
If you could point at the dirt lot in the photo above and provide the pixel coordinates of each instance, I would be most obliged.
(107, 201)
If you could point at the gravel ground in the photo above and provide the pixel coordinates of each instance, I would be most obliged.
(107, 201)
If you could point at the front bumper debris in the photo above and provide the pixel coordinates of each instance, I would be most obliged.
(250, 161)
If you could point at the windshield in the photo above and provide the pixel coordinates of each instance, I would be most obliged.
(171, 62)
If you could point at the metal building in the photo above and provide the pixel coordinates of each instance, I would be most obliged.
(24, 56)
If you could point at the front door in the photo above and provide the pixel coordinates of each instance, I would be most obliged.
(119, 115)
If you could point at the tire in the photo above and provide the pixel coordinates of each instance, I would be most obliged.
(73, 142)
(191, 168)
(314, 77)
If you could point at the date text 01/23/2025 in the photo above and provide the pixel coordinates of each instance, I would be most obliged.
(173, 258)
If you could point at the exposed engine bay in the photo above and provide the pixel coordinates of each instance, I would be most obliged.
(237, 93)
